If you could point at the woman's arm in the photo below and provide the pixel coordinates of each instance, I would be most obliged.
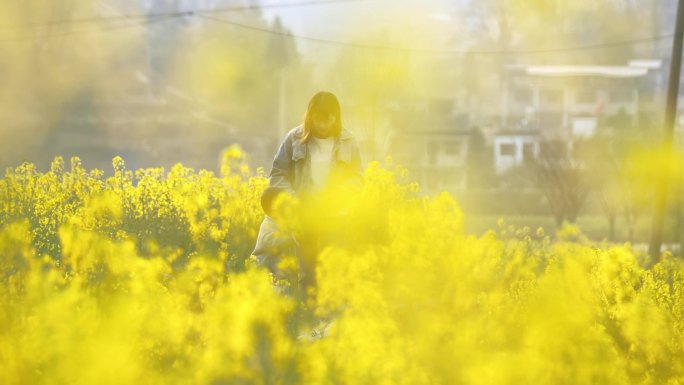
(282, 171)
(356, 167)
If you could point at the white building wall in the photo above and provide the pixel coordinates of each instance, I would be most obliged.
(504, 162)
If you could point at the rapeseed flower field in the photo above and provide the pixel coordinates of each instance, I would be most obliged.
(145, 277)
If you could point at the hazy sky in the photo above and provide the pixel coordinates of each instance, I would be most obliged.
(340, 21)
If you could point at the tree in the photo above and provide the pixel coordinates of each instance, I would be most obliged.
(231, 73)
(371, 82)
(51, 64)
(562, 179)
(479, 161)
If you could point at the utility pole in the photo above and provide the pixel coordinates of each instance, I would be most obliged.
(670, 115)
(282, 129)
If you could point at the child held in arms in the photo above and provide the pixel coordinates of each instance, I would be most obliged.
(276, 245)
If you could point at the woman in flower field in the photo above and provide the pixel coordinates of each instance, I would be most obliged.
(314, 160)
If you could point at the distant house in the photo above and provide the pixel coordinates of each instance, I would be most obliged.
(434, 151)
(564, 103)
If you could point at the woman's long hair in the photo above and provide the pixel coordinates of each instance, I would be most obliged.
(322, 105)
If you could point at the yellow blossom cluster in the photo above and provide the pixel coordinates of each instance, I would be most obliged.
(145, 278)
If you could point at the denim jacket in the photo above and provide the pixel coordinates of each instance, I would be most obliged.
(291, 165)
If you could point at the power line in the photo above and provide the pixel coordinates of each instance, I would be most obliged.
(139, 23)
(101, 19)
(452, 52)
(143, 19)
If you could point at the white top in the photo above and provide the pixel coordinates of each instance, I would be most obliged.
(321, 151)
